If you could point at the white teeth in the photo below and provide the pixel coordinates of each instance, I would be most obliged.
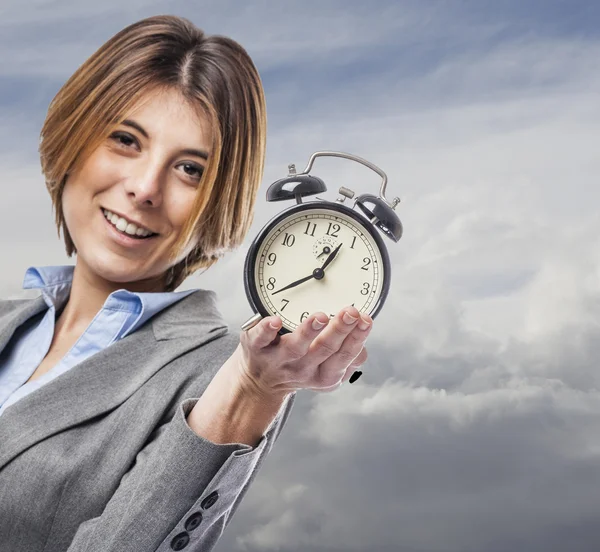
(124, 226)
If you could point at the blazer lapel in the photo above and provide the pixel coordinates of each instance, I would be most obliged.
(107, 378)
(14, 313)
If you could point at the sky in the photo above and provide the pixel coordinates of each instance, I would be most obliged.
(476, 424)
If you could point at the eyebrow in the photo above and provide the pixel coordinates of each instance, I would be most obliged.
(188, 151)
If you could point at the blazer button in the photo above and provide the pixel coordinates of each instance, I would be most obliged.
(193, 521)
(180, 541)
(209, 500)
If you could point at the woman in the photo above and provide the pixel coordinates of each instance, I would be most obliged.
(131, 419)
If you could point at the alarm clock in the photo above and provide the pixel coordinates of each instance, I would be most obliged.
(321, 255)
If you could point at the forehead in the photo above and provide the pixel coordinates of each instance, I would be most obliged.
(169, 105)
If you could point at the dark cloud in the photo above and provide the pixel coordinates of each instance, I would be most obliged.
(394, 465)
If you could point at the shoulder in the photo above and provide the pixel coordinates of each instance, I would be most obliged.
(213, 352)
(9, 305)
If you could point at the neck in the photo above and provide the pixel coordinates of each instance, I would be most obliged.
(88, 294)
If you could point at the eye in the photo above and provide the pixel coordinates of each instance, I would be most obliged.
(119, 137)
(199, 170)
(124, 141)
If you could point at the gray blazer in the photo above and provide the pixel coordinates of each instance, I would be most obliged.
(101, 458)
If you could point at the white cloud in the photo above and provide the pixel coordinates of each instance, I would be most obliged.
(475, 424)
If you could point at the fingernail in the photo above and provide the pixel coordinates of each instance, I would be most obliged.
(355, 376)
(274, 325)
(349, 319)
(364, 324)
(318, 325)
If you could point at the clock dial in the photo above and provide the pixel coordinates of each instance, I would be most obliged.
(302, 242)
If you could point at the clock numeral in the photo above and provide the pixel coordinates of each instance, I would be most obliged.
(271, 284)
(336, 229)
(288, 239)
(331, 316)
(272, 258)
(286, 304)
(303, 317)
(367, 262)
(353, 242)
(365, 289)
(314, 227)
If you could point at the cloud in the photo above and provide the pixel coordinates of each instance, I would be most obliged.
(474, 426)
(464, 444)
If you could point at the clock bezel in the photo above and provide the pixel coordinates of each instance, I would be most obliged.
(251, 258)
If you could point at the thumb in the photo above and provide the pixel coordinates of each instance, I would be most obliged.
(265, 332)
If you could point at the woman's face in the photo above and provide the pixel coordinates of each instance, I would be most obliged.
(145, 172)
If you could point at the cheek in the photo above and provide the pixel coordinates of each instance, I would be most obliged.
(101, 169)
(71, 200)
(77, 207)
(80, 189)
(179, 205)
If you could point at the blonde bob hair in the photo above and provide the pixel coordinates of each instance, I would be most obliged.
(213, 73)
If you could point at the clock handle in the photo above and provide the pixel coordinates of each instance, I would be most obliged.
(251, 322)
(358, 160)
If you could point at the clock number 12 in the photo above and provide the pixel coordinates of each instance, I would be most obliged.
(336, 229)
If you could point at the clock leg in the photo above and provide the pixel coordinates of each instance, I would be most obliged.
(355, 376)
(251, 322)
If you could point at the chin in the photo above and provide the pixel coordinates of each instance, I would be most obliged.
(116, 270)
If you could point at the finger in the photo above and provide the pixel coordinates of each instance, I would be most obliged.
(356, 363)
(326, 389)
(335, 368)
(296, 344)
(263, 334)
(332, 337)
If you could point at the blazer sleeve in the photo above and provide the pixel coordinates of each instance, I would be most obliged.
(180, 493)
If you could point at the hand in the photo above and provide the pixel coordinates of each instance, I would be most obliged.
(271, 366)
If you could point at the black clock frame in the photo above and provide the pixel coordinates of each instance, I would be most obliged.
(251, 257)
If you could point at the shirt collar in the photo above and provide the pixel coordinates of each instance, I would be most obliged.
(53, 281)
(55, 285)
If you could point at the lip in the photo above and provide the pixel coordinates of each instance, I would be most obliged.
(122, 239)
(138, 224)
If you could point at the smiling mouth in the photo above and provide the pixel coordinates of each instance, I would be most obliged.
(122, 232)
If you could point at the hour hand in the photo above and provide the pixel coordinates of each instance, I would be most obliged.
(331, 257)
(296, 283)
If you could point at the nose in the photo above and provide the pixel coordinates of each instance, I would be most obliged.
(145, 187)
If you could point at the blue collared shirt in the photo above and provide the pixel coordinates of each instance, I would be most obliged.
(122, 313)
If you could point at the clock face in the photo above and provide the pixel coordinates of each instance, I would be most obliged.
(302, 242)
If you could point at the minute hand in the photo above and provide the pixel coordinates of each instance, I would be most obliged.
(318, 273)
(294, 284)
